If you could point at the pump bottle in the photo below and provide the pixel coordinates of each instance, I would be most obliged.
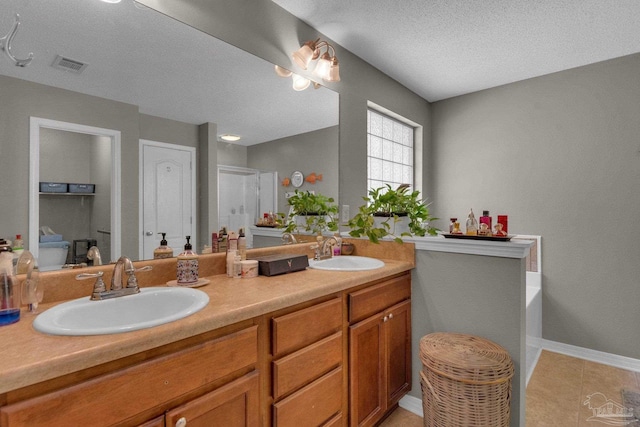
(163, 251)
(187, 265)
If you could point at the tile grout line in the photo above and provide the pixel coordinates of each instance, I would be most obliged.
(580, 392)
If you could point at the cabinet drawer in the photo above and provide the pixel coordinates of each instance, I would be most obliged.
(114, 397)
(374, 299)
(316, 404)
(296, 330)
(305, 365)
(235, 404)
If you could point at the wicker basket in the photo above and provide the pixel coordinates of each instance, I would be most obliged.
(466, 381)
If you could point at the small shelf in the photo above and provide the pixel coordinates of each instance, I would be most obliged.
(67, 194)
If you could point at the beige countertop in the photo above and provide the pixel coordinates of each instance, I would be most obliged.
(29, 357)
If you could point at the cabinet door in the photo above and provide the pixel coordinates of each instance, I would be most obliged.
(397, 330)
(235, 404)
(367, 400)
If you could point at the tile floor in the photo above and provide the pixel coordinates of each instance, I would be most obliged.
(556, 392)
(561, 384)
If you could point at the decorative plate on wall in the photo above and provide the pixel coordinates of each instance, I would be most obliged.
(297, 179)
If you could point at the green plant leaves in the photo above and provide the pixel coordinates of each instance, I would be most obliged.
(392, 204)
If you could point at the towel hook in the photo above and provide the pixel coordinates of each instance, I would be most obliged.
(5, 44)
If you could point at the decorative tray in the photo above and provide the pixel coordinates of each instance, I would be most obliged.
(200, 282)
(266, 226)
(470, 237)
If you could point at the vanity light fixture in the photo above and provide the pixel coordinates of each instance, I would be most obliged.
(283, 72)
(111, 1)
(299, 82)
(229, 137)
(328, 66)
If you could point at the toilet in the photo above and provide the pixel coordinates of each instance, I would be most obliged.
(52, 255)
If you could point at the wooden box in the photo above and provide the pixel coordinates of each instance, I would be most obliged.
(272, 265)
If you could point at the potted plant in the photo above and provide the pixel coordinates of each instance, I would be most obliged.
(396, 213)
(311, 212)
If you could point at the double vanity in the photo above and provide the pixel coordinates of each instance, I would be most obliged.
(310, 347)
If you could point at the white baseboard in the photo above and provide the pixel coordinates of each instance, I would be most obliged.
(614, 360)
(414, 404)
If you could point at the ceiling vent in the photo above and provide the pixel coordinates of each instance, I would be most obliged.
(71, 65)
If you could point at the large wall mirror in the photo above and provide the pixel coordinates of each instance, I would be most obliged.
(130, 70)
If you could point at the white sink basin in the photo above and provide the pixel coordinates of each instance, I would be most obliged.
(347, 263)
(151, 307)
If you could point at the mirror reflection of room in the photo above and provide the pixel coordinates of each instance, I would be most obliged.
(74, 197)
(282, 130)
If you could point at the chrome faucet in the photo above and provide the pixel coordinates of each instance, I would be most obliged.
(323, 248)
(100, 291)
(288, 239)
(94, 254)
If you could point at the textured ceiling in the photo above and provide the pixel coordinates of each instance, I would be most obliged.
(444, 48)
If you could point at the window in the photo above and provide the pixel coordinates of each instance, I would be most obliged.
(390, 151)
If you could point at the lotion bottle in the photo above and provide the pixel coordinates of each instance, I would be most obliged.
(163, 251)
(232, 242)
(187, 265)
(231, 257)
(242, 245)
(237, 267)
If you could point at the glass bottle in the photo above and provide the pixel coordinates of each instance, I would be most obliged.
(472, 224)
(452, 224)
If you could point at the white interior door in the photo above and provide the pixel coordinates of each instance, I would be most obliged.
(168, 196)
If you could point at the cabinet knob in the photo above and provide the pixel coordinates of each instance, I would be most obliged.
(390, 316)
(385, 318)
(149, 233)
(182, 422)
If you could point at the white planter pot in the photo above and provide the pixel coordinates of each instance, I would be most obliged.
(301, 221)
(395, 227)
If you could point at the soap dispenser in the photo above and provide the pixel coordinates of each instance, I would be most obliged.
(163, 251)
(187, 265)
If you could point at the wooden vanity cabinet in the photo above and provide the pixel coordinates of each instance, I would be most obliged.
(235, 404)
(307, 366)
(215, 379)
(379, 349)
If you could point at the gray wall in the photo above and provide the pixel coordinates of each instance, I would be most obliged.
(22, 99)
(474, 295)
(560, 155)
(309, 152)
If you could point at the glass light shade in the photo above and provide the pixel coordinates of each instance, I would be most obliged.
(229, 137)
(323, 66)
(300, 83)
(111, 1)
(303, 56)
(334, 71)
(282, 72)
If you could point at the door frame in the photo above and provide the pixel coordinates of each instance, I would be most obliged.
(37, 123)
(194, 220)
